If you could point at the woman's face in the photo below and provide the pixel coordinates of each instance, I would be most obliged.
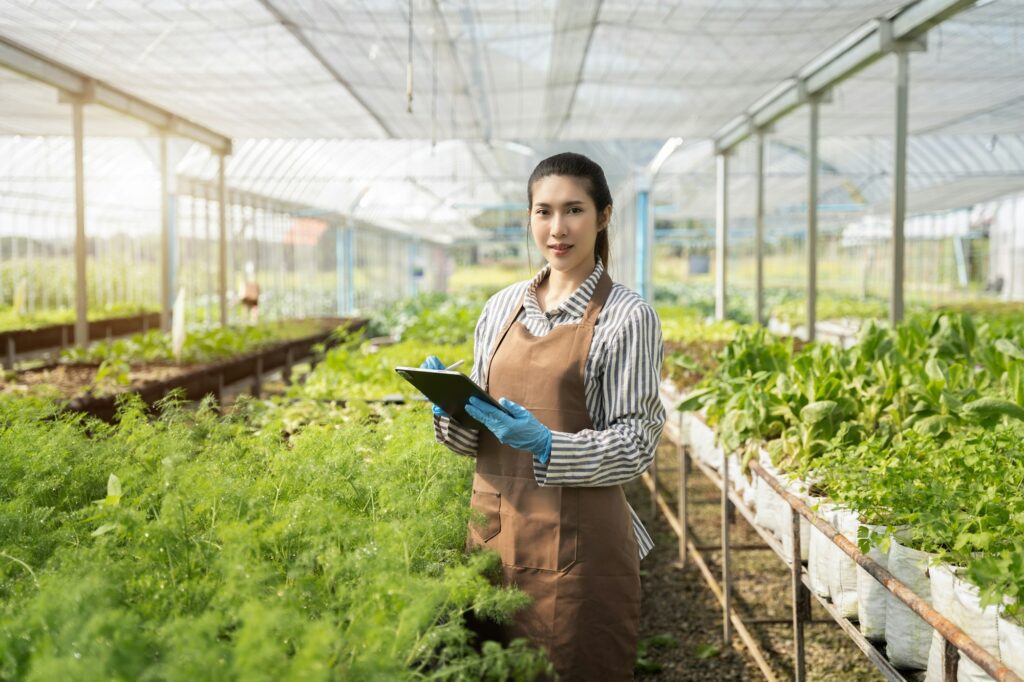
(564, 222)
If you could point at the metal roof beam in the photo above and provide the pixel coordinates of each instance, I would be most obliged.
(76, 85)
(568, 56)
(903, 30)
(299, 36)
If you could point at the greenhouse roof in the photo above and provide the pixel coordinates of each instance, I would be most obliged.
(314, 94)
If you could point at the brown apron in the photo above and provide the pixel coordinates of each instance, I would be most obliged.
(570, 548)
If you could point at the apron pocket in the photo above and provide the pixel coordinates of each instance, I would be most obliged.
(544, 533)
(485, 514)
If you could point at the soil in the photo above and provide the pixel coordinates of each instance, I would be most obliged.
(71, 381)
(677, 602)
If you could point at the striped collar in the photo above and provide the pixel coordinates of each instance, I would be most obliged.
(574, 306)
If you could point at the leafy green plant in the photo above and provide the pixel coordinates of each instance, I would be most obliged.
(220, 550)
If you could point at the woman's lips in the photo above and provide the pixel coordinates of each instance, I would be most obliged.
(561, 249)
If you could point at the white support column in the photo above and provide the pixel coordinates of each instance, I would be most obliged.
(81, 283)
(812, 220)
(222, 265)
(721, 224)
(165, 238)
(759, 231)
(899, 190)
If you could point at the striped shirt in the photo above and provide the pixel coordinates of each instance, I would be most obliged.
(621, 379)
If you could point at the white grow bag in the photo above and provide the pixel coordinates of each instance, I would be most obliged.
(1011, 644)
(817, 565)
(798, 488)
(907, 637)
(840, 569)
(981, 625)
(702, 442)
(767, 503)
(941, 579)
(871, 595)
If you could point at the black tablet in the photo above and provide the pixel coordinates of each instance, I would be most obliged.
(450, 390)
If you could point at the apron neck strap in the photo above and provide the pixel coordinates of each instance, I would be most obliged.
(597, 301)
(594, 307)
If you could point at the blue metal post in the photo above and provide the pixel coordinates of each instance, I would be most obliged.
(343, 270)
(413, 267)
(350, 271)
(643, 239)
(339, 271)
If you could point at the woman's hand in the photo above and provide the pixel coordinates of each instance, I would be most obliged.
(433, 362)
(521, 430)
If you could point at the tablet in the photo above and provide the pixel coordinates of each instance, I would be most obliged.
(450, 390)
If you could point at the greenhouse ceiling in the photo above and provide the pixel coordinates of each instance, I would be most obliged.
(432, 110)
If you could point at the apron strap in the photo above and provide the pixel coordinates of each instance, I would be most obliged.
(501, 336)
(594, 307)
(597, 301)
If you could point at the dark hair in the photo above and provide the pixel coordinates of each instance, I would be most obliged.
(578, 166)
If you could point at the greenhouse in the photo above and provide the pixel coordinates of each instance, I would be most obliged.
(533, 340)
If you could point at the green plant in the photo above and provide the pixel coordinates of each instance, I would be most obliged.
(198, 546)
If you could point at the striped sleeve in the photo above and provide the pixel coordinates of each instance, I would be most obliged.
(459, 439)
(624, 449)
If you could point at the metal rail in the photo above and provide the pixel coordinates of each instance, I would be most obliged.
(949, 632)
(955, 639)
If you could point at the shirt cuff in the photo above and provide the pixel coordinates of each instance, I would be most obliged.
(552, 471)
(458, 438)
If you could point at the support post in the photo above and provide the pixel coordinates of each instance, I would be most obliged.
(222, 264)
(350, 270)
(721, 225)
(644, 237)
(654, 484)
(684, 484)
(812, 220)
(166, 302)
(950, 661)
(340, 271)
(801, 601)
(726, 551)
(759, 232)
(899, 190)
(414, 244)
(81, 284)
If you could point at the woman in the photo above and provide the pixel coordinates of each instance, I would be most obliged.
(576, 360)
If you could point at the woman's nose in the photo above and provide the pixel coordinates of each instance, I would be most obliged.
(557, 225)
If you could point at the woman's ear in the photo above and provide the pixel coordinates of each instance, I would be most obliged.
(606, 219)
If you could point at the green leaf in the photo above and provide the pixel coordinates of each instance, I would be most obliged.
(104, 529)
(934, 425)
(706, 651)
(660, 641)
(987, 409)
(694, 401)
(819, 411)
(1008, 347)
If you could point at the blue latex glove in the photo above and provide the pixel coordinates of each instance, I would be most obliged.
(433, 362)
(521, 430)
